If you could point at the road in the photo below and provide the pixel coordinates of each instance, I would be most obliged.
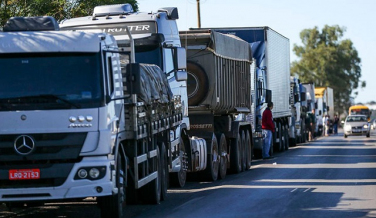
(329, 177)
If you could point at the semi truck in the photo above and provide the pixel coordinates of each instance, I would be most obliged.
(311, 104)
(79, 119)
(271, 81)
(156, 41)
(219, 100)
(297, 119)
(325, 101)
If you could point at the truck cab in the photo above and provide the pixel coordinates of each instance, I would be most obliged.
(155, 37)
(58, 126)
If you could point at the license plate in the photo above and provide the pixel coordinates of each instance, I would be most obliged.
(357, 130)
(23, 174)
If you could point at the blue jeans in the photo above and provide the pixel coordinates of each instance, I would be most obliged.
(335, 128)
(267, 141)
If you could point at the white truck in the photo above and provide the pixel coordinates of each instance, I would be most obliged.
(156, 41)
(298, 111)
(325, 101)
(79, 120)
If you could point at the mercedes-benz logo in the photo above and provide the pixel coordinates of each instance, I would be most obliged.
(24, 145)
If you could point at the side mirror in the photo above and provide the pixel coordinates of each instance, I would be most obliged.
(303, 96)
(180, 58)
(133, 78)
(342, 122)
(296, 98)
(268, 97)
(181, 76)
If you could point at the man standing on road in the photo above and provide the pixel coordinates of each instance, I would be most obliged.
(325, 121)
(335, 124)
(319, 124)
(268, 127)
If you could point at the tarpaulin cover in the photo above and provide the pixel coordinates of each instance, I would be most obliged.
(154, 85)
(230, 46)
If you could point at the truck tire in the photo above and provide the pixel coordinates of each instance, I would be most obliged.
(212, 165)
(151, 192)
(178, 179)
(164, 171)
(287, 141)
(235, 156)
(222, 148)
(243, 151)
(114, 206)
(248, 148)
(197, 84)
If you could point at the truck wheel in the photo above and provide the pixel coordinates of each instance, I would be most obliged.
(243, 152)
(344, 135)
(151, 192)
(197, 83)
(222, 147)
(287, 142)
(248, 148)
(164, 171)
(235, 156)
(178, 179)
(211, 171)
(368, 135)
(113, 206)
(279, 135)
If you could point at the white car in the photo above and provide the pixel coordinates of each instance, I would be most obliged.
(356, 125)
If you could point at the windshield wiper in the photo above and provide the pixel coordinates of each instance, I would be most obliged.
(44, 96)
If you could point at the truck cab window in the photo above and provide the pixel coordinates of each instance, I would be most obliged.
(168, 60)
(110, 75)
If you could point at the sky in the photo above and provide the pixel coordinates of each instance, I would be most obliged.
(289, 18)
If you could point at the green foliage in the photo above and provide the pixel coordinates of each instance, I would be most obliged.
(327, 60)
(60, 9)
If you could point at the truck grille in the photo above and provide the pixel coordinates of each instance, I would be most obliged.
(54, 155)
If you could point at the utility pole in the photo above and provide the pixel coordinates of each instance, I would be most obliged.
(198, 14)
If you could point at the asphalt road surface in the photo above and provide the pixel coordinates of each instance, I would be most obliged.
(329, 177)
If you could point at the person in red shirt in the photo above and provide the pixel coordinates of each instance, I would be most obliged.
(268, 127)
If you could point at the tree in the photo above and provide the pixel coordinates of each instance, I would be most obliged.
(327, 60)
(59, 9)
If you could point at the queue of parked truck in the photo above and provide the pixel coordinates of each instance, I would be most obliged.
(121, 105)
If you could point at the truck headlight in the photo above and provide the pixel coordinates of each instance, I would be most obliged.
(91, 173)
(365, 126)
(94, 173)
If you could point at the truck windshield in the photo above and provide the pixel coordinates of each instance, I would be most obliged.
(147, 54)
(48, 81)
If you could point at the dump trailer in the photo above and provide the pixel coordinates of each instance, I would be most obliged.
(272, 80)
(156, 41)
(219, 99)
(97, 127)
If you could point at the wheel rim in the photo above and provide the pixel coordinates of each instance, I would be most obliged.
(222, 158)
(215, 157)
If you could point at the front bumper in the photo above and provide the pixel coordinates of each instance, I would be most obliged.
(71, 189)
(356, 133)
